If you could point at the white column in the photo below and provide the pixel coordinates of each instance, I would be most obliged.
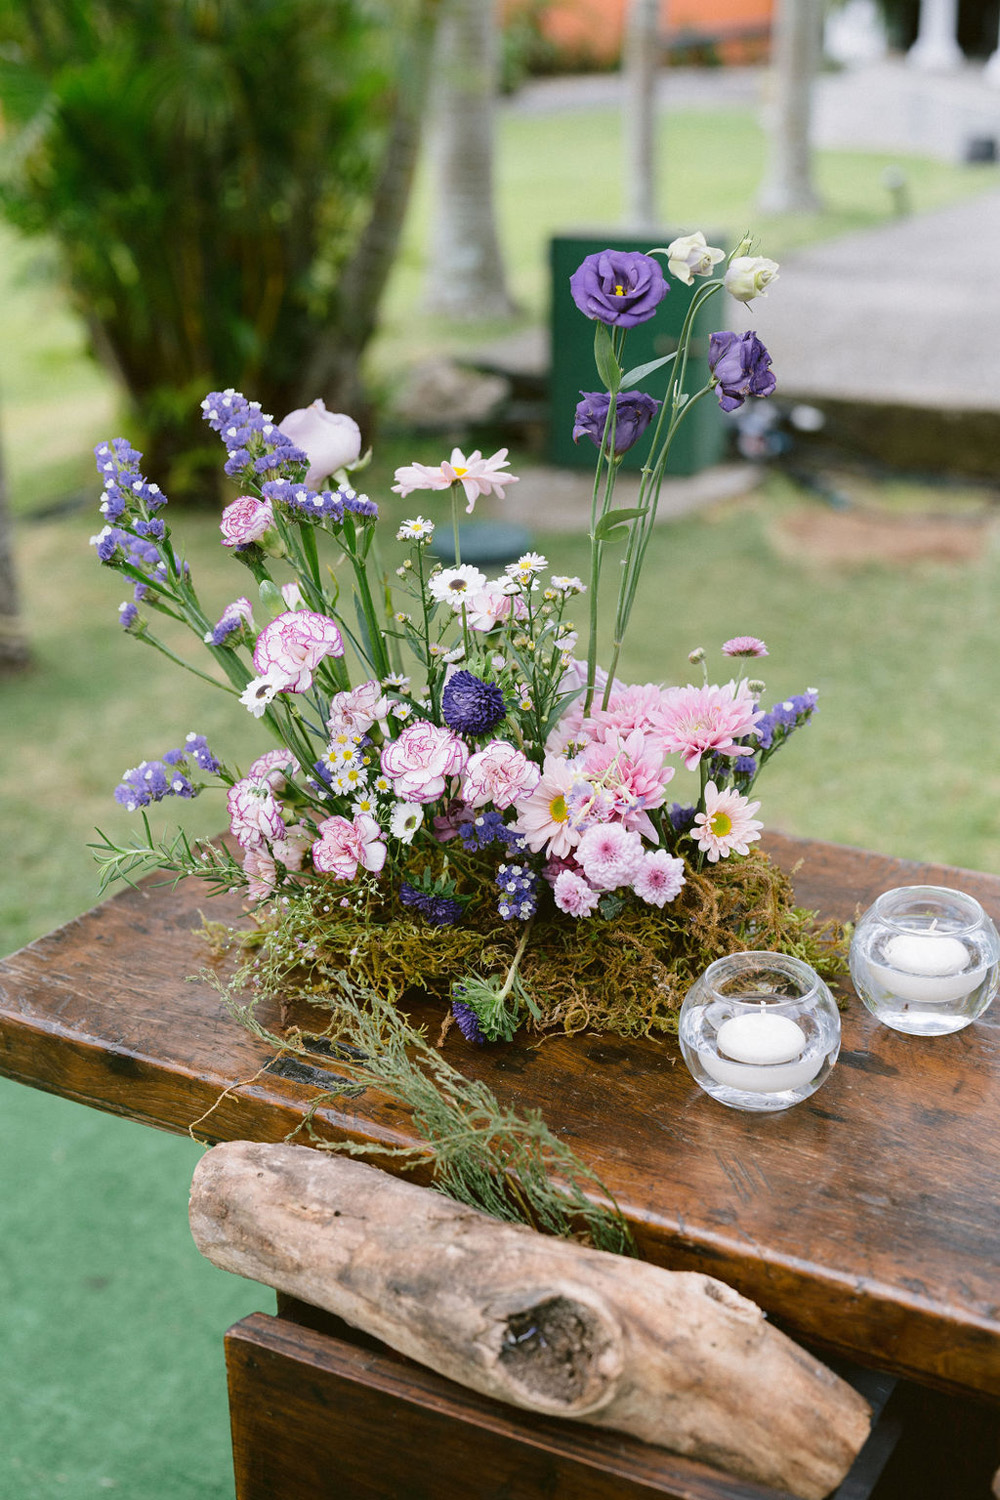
(936, 49)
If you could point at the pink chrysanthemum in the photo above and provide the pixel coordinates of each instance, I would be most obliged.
(543, 819)
(609, 855)
(573, 895)
(632, 770)
(659, 878)
(701, 719)
(744, 645)
(727, 825)
(476, 474)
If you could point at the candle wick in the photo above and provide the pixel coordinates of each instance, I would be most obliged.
(933, 925)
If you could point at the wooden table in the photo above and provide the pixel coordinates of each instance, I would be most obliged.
(865, 1221)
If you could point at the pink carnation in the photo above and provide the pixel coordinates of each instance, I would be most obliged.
(573, 895)
(254, 813)
(422, 759)
(293, 848)
(697, 720)
(343, 846)
(245, 521)
(355, 712)
(659, 878)
(609, 855)
(261, 873)
(273, 766)
(292, 647)
(500, 773)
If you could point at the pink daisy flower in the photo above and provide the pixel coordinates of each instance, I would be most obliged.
(573, 895)
(727, 825)
(744, 645)
(700, 719)
(659, 878)
(543, 819)
(476, 474)
(609, 855)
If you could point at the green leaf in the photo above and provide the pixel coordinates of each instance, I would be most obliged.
(608, 367)
(613, 521)
(639, 373)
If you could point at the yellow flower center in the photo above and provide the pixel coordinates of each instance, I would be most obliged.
(619, 290)
(459, 472)
(720, 823)
(557, 808)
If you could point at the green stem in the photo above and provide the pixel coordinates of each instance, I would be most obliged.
(456, 490)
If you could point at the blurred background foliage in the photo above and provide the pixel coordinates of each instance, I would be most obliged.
(215, 174)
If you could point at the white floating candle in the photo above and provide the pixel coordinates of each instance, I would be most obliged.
(928, 968)
(761, 1053)
(761, 1038)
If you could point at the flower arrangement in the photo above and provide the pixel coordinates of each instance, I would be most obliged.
(454, 797)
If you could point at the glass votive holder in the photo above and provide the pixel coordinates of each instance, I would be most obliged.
(759, 1031)
(925, 960)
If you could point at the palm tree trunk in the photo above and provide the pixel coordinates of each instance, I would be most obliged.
(796, 45)
(641, 59)
(465, 277)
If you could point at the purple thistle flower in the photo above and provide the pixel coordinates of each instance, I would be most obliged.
(471, 706)
(437, 911)
(741, 367)
(634, 412)
(621, 288)
(467, 1021)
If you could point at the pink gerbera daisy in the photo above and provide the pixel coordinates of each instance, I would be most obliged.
(727, 825)
(744, 645)
(477, 475)
(543, 818)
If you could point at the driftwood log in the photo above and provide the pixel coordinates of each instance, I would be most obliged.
(674, 1358)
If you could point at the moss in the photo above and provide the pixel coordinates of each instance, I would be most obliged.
(626, 974)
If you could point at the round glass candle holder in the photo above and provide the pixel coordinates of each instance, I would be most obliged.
(925, 960)
(759, 1031)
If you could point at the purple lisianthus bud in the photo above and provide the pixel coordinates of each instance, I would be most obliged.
(635, 411)
(619, 287)
(741, 366)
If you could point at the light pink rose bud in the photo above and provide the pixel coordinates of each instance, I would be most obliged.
(331, 440)
(245, 521)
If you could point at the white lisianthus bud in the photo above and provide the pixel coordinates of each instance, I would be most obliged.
(690, 256)
(331, 440)
(748, 275)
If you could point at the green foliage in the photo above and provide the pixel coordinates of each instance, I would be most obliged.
(207, 168)
(481, 1152)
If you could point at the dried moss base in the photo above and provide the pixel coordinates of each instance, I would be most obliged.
(627, 974)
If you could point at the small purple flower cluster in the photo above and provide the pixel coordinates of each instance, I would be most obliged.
(784, 718)
(518, 892)
(471, 706)
(112, 544)
(125, 488)
(152, 780)
(437, 911)
(321, 505)
(252, 439)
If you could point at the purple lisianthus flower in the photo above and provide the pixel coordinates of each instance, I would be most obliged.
(619, 287)
(741, 366)
(634, 412)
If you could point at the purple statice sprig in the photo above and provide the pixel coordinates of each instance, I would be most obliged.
(487, 828)
(170, 776)
(518, 886)
(127, 492)
(319, 505)
(255, 445)
(434, 897)
(492, 1009)
(773, 729)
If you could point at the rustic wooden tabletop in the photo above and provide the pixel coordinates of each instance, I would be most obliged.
(865, 1220)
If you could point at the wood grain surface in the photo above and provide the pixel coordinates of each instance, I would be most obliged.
(866, 1220)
